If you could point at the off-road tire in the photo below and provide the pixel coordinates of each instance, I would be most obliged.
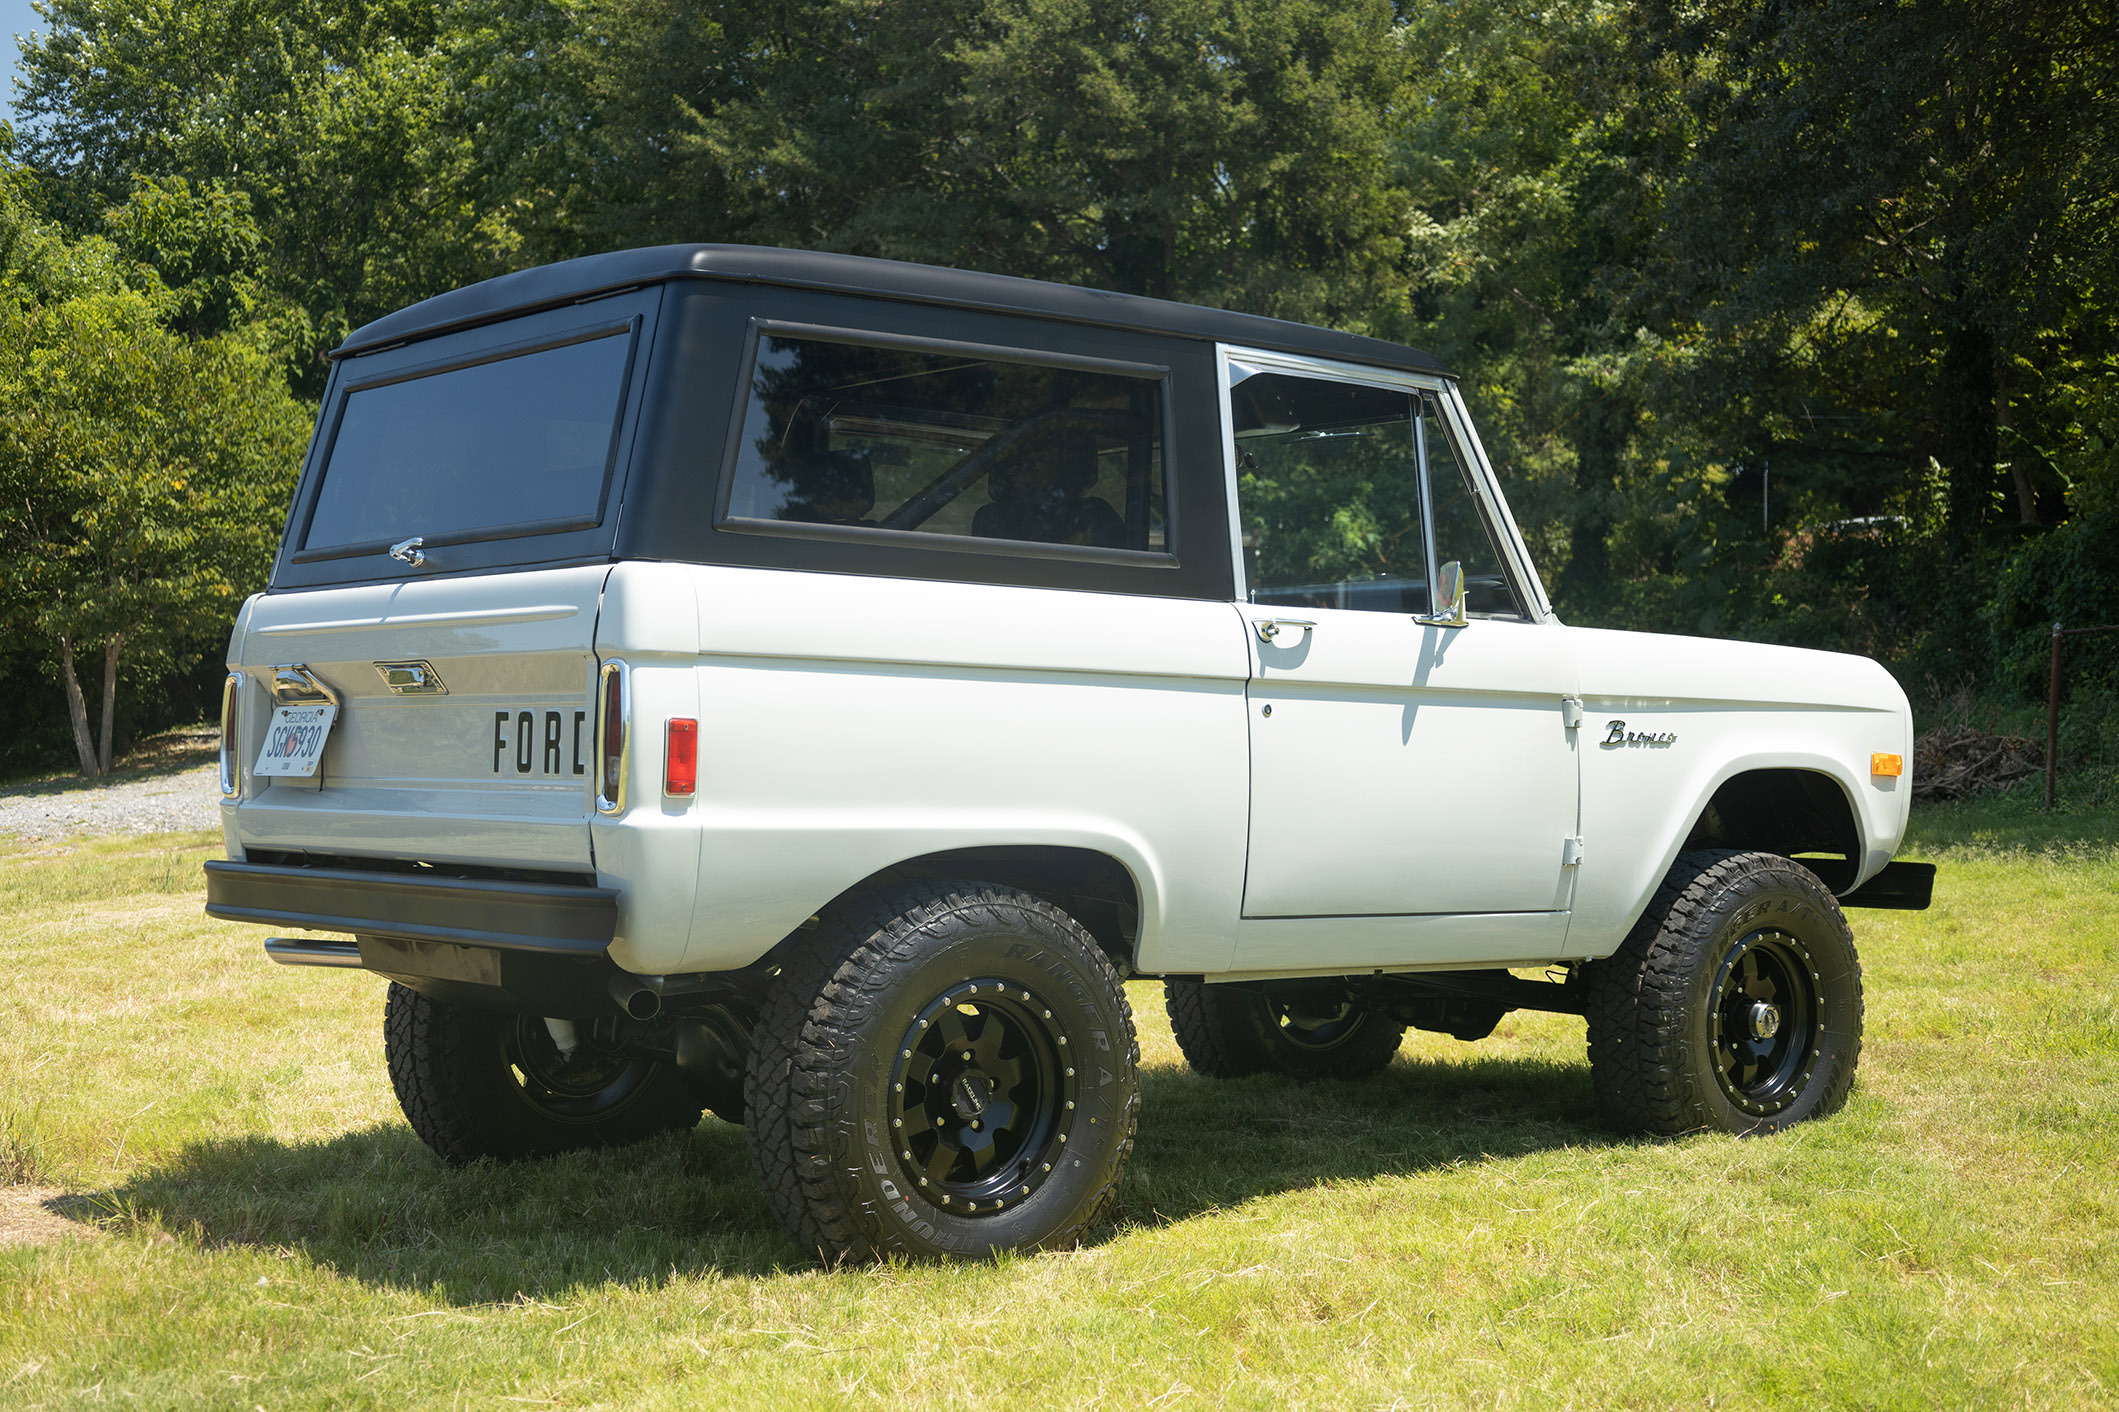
(462, 1080)
(1230, 1031)
(1673, 1045)
(856, 1039)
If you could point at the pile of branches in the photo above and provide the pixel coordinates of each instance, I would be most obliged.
(1951, 763)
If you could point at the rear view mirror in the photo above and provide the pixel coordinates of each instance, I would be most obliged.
(1449, 598)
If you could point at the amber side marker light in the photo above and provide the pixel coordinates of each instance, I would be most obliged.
(1887, 766)
(680, 757)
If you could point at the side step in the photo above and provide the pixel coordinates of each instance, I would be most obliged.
(289, 951)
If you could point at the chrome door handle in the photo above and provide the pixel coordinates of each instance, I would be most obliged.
(1269, 628)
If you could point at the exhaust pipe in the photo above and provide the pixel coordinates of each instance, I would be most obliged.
(639, 996)
(301, 951)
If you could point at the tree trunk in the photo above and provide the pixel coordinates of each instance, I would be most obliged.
(110, 695)
(77, 709)
(1969, 448)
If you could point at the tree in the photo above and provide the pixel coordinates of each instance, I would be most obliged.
(335, 122)
(1931, 182)
(1208, 150)
(143, 475)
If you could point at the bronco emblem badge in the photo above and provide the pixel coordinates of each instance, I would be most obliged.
(1622, 736)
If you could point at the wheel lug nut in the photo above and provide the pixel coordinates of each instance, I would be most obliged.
(1070, 1105)
(904, 1054)
(945, 1198)
(1048, 1014)
(923, 1181)
(1070, 1073)
(1063, 1041)
(967, 1054)
(897, 1122)
(1046, 1168)
(900, 1088)
(974, 1125)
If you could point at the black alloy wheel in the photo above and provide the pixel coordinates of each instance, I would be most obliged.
(1766, 1022)
(979, 1097)
(584, 1083)
(1735, 1004)
(1314, 1018)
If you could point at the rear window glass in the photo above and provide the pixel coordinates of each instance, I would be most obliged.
(950, 444)
(516, 445)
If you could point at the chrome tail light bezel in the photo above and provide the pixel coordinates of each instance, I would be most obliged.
(231, 735)
(614, 715)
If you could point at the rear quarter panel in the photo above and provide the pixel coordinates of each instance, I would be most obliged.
(847, 724)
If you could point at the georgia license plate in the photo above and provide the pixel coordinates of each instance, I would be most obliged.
(294, 742)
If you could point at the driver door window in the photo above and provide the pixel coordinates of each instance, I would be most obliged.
(1328, 481)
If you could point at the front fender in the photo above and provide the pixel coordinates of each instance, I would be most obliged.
(1729, 708)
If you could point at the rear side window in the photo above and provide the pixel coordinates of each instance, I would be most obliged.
(960, 444)
(511, 445)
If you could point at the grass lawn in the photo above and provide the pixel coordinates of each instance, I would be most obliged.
(245, 1221)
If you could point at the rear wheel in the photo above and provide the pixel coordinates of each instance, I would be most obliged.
(489, 1083)
(1735, 1004)
(945, 1070)
(1305, 1030)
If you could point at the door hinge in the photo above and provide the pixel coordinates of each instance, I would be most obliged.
(1571, 711)
(1571, 852)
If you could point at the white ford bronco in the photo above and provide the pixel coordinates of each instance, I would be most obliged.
(806, 687)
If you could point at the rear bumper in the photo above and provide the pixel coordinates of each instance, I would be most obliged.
(511, 916)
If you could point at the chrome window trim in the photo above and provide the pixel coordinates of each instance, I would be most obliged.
(1238, 573)
(1515, 556)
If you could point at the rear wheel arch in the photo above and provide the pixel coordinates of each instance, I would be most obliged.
(1095, 888)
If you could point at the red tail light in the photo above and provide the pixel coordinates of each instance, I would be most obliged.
(680, 759)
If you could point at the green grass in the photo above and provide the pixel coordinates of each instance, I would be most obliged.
(263, 1230)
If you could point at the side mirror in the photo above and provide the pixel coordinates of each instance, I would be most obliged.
(1449, 599)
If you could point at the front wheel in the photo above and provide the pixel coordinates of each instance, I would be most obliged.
(944, 1070)
(490, 1083)
(1735, 1004)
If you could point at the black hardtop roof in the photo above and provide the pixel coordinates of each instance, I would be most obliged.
(570, 280)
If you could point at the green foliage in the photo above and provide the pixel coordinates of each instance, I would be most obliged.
(143, 474)
(1206, 150)
(336, 122)
(1785, 322)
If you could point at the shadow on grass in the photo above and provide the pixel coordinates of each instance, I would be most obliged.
(377, 1206)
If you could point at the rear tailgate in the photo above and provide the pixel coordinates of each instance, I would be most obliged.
(478, 748)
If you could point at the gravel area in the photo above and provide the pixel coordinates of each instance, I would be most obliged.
(162, 801)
